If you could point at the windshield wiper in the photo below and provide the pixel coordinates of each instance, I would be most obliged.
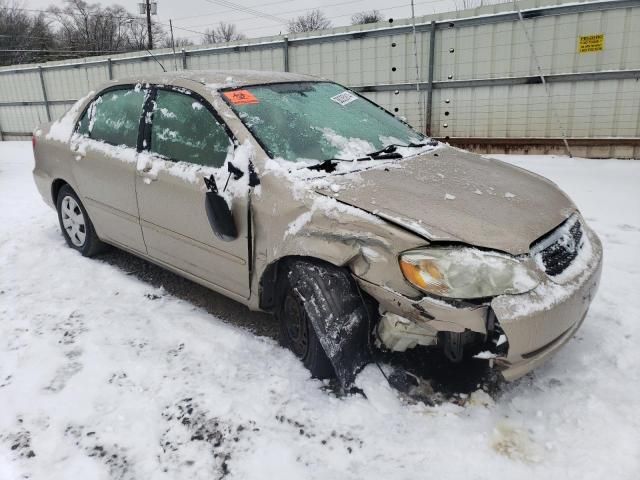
(387, 153)
(328, 165)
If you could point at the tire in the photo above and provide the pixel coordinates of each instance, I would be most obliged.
(320, 310)
(75, 223)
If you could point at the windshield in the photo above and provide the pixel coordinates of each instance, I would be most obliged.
(317, 121)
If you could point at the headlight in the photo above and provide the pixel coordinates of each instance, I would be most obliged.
(463, 272)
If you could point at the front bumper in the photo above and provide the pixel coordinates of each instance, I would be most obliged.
(536, 324)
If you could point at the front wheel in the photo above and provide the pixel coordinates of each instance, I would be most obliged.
(298, 335)
(75, 223)
(323, 319)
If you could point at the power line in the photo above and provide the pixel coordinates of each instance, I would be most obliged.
(230, 10)
(262, 27)
(127, 17)
(233, 6)
(28, 50)
(291, 11)
(257, 13)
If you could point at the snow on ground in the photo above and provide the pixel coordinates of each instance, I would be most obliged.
(103, 376)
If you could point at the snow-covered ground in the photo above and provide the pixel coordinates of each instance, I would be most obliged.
(105, 376)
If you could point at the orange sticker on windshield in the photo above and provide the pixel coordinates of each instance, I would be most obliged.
(241, 97)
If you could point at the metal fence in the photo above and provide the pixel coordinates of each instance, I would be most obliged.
(478, 82)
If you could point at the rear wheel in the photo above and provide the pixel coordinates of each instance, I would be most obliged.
(75, 223)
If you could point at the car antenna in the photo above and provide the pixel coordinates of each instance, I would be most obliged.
(158, 61)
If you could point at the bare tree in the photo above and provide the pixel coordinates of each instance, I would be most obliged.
(28, 38)
(362, 18)
(90, 27)
(209, 36)
(309, 22)
(179, 42)
(224, 32)
(136, 34)
(98, 29)
(465, 4)
(227, 32)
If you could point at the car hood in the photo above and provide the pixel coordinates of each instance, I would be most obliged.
(452, 195)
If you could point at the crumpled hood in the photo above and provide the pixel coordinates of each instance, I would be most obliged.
(452, 195)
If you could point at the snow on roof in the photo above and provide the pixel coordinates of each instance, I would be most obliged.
(221, 77)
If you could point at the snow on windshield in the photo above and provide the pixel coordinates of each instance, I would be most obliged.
(348, 148)
(303, 120)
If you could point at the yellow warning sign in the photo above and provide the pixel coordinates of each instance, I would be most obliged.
(591, 43)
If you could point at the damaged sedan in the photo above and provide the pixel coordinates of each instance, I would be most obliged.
(297, 196)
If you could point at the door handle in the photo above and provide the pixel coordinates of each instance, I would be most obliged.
(78, 153)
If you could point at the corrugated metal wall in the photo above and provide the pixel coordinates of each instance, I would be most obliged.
(486, 88)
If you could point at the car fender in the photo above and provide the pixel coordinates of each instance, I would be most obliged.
(314, 226)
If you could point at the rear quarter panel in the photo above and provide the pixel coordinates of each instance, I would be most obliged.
(52, 154)
(52, 162)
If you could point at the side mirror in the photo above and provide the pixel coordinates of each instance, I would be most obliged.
(219, 214)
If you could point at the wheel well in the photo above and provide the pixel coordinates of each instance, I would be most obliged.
(57, 184)
(270, 276)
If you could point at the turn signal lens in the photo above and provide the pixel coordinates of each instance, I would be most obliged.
(424, 274)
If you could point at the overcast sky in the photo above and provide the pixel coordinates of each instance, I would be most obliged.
(197, 15)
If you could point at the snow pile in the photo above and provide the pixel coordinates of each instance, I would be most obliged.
(215, 87)
(104, 376)
(563, 238)
(305, 183)
(62, 128)
(82, 145)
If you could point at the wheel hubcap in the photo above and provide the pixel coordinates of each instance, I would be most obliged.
(297, 327)
(73, 221)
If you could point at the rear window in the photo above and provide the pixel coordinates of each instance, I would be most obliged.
(114, 117)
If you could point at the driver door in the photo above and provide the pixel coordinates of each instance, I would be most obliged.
(186, 143)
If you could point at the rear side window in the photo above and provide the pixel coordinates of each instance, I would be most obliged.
(114, 117)
(184, 130)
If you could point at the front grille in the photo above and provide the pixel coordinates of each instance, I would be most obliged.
(557, 250)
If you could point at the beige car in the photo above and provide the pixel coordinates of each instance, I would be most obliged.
(297, 196)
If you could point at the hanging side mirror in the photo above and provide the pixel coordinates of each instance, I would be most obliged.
(218, 213)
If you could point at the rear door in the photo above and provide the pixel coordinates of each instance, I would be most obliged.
(187, 142)
(105, 149)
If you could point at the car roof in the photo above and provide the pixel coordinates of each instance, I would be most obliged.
(218, 79)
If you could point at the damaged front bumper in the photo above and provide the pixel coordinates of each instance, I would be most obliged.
(536, 324)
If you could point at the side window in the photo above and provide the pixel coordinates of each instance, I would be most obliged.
(184, 130)
(114, 117)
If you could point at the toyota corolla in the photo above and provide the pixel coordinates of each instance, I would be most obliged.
(298, 196)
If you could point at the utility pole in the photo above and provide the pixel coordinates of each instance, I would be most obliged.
(149, 34)
(173, 46)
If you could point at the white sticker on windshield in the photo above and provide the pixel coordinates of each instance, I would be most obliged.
(344, 98)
